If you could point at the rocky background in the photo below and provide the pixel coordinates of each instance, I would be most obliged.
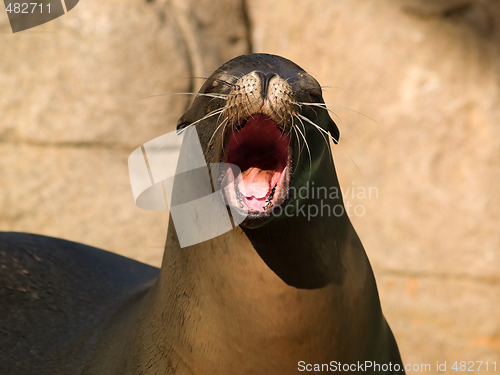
(415, 89)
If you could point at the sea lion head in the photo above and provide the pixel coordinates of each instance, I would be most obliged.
(263, 118)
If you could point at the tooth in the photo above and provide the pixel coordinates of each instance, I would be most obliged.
(271, 195)
(238, 195)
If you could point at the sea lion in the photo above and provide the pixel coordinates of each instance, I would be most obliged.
(285, 292)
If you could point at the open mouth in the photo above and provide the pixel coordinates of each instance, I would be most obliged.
(261, 151)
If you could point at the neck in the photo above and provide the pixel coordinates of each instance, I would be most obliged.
(265, 290)
(295, 289)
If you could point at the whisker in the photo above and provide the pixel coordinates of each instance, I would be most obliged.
(323, 87)
(303, 128)
(324, 105)
(350, 158)
(216, 130)
(208, 115)
(322, 131)
(283, 122)
(219, 96)
(252, 104)
(217, 80)
(226, 123)
(298, 139)
(307, 146)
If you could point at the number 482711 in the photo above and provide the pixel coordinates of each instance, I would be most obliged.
(474, 366)
(25, 8)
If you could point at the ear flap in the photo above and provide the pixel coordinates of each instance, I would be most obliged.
(181, 124)
(187, 118)
(195, 111)
(183, 121)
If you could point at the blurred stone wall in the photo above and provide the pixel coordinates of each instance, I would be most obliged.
(415, 89)
(80, 93)
(425, 76)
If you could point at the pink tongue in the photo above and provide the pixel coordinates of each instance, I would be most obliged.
(256, 182)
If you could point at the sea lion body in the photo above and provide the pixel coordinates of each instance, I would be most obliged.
(283, 293)
(56, 296)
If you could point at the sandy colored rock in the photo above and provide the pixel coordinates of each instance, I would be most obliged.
(97, 207)
(419, 163)
(425, 77)
(80, 93)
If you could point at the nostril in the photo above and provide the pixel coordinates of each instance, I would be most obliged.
(264, 79)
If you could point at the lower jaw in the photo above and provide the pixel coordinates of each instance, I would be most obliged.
(250, 218)
(256, 219)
